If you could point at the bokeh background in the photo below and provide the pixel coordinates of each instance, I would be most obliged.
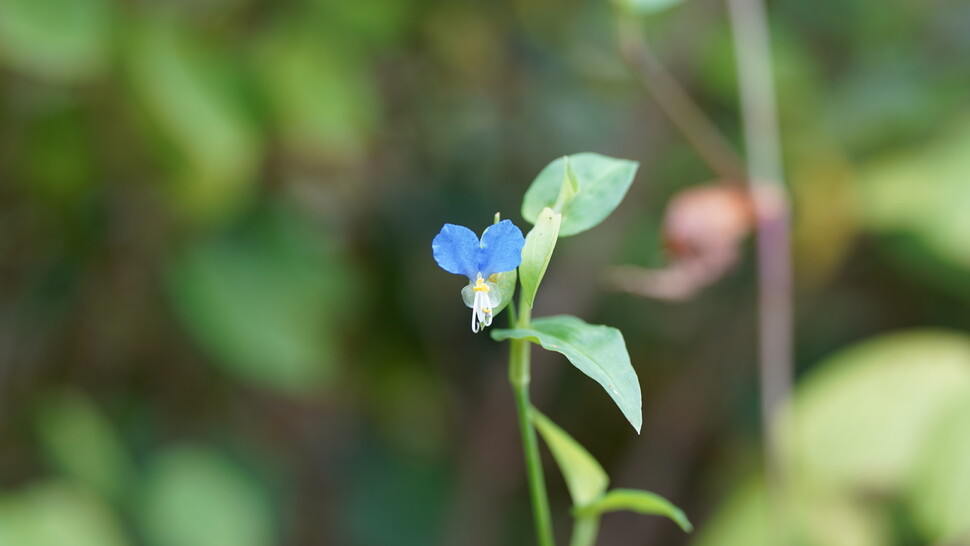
(220, 323)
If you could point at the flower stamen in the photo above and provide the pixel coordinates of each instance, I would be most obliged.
(480, 285)
(482, 305)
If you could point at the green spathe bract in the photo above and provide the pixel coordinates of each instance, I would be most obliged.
(506, 283)
(598, 351)
(539, 244)
(602, 182)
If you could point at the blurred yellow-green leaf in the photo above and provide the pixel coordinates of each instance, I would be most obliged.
(57, 513)
(59, 40)
(82, 444)
(923, 192)
(747, 517)
(188, 92)
(740, 519)
(860, 418)
(940, 486)
(322, 97)
(194, 496)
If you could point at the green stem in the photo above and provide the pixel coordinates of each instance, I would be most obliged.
(520, 377)
(585, 530)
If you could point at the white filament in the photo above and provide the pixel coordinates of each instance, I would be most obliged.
(481, 311)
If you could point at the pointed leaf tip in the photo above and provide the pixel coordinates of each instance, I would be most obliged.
(598, 351)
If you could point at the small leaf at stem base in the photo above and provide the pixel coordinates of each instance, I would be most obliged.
(643, 502)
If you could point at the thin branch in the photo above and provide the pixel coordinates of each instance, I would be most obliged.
(763, 143)
(763, 173)
(696, 127)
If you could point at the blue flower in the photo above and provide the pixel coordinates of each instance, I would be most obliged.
(458, 250)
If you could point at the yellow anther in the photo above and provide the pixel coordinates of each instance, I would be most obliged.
(480, 286)
(487, 310)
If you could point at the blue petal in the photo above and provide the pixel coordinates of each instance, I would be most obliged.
(456, 250)
(501, 248)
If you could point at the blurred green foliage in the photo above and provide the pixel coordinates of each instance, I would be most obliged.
(190, 92)
(866, 435)
(220, 322)
(195, 497)
(265, 294)
(60, 40)
(53, 513)
(82, 444)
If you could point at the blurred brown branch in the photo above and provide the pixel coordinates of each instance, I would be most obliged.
(689, 119)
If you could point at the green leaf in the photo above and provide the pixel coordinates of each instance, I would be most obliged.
(569, 188)
(598, 351)
(79, 440)
(265, 300)
(643, 502)
(188, 91)
(922, 193)
(196, 497)
(839, 447)
(741, 518)
(749, 516)
(914, 198)
(648, 7)
(61, 40)
(908, 379)
(940, 488)
(602, 182)
(319, 92)
(584, 476)
(58, 513)
(539, 244)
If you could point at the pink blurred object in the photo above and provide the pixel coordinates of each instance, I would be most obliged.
(703, 231)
